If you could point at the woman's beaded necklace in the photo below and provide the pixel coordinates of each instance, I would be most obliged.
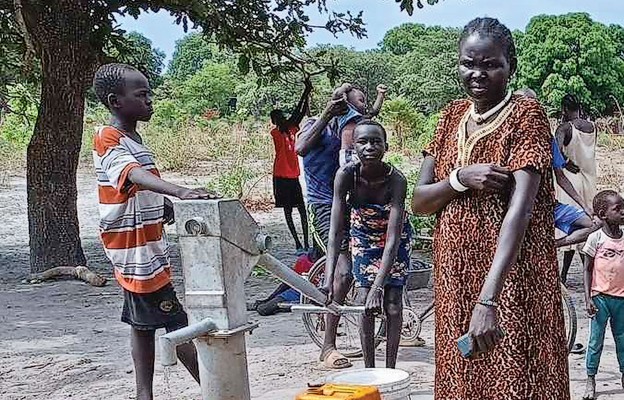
(481, 118)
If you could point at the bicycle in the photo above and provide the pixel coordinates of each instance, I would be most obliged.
(348, 339)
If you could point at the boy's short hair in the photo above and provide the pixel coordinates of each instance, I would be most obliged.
(370, 122)
(109, 79)
(601, 200)
(570, 102)
(276, 113)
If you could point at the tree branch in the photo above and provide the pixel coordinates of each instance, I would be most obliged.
(30, 53)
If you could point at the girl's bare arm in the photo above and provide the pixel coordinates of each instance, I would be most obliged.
(395, 228)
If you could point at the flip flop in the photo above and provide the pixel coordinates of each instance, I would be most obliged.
(335, 360)
(253, 306)
(416, 342)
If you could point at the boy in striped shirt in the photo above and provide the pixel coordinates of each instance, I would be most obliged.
(132, 210)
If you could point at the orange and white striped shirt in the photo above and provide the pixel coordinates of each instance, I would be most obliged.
(131, 218)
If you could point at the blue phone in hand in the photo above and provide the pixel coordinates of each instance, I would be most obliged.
(464, 344)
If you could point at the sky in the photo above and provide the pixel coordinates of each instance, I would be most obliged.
(381, 15)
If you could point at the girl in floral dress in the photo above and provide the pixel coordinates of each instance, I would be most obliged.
(380, 236)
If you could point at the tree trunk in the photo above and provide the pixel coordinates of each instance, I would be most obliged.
(59, 30)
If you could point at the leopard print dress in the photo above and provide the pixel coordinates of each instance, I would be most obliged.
(531, 361)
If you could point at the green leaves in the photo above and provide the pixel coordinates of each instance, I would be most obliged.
(192, 52)
(243, 64)
(426, 71)
(408, 5)
(573, 54)
(135, 49)
(208, 89)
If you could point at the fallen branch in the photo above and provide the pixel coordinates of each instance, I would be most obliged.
(80, 272)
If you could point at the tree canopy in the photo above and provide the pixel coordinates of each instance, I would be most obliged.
(137, 50)
(70, 38)
(573, 54)
(191, 52)
(427, 66)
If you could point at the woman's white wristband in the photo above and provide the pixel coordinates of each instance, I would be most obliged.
(455, 183)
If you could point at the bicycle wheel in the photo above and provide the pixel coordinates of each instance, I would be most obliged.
(348, 334)
(569, 315)
(412, 322)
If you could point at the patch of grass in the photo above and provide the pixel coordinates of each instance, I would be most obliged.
(258, 272)
(12, 158)
(609, 141)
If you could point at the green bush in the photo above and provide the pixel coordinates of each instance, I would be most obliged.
(410, 130)
(209, 89)
(12, 158)
(417, 143)
(18, 125)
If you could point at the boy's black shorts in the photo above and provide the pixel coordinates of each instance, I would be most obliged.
(151, 311)
(287, 193)
(320, 219)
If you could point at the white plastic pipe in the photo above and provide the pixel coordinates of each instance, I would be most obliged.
(171, 340)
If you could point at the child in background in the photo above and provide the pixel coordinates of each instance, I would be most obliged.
(284, 293)
(286, 188)
(132, 211)
(604, 283)
(356, 110)
(380, 236)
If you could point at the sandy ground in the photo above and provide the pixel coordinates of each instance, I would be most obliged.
(64, 340)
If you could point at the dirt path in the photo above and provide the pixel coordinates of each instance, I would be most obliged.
(64, 340)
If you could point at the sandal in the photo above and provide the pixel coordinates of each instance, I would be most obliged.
(416, 342)
(253, 306)
(335, 360)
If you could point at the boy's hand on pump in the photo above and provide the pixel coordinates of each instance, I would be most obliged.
(196, 194)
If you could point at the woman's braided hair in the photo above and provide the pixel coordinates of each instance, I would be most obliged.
(109, 79)
(491, 27)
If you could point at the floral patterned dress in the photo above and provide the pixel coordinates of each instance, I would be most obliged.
(369, 226)
(531, 361)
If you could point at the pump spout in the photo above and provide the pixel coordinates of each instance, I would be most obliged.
(171, 340)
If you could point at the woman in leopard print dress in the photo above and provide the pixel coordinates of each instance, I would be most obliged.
(487, 175)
